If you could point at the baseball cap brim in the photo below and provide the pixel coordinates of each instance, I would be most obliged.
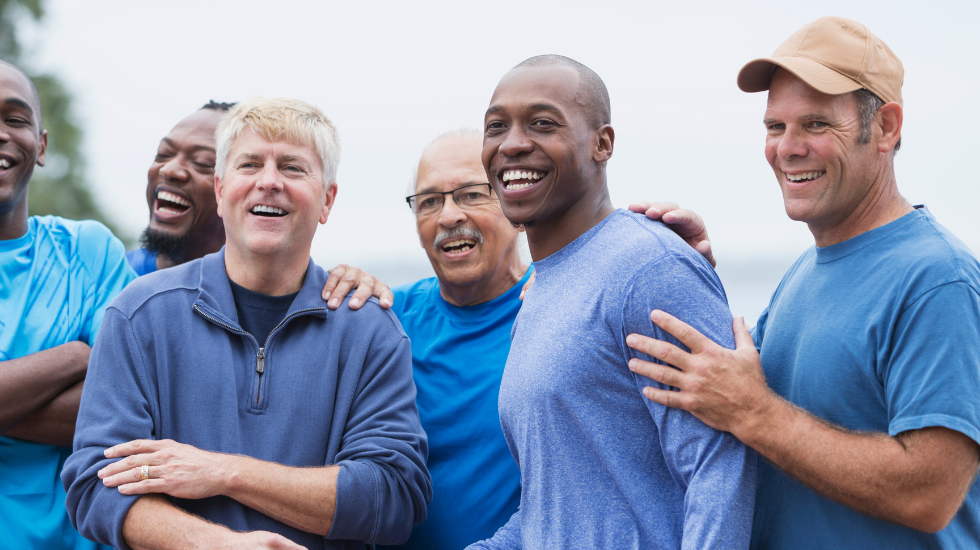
(756, 75)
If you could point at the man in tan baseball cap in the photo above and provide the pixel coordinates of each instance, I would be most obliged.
(859, 384)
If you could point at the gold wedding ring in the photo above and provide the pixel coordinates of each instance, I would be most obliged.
(144, 472)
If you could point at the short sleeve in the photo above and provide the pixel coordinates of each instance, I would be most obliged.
(103, 257)
(932, 373)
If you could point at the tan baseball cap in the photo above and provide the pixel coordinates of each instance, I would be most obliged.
(832, 55)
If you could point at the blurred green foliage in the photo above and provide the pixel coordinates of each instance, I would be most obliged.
(60, 188)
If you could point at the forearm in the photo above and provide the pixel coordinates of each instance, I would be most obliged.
(29, 383)
(304, 498)
(874, 473)
(153, 523)
(53, 423)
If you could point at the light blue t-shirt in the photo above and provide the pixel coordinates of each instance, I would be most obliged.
(55, 284)
(879, 333)
(458, 355)
(602, 467)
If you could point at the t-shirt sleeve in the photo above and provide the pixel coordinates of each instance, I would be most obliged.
(103, 256)
(113, 410)
(716, 471)
(932, 374)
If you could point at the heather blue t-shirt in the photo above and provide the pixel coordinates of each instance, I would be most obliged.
(601, 465)
(55, 284)
(458, 355)
(879, 333)
(142, 261)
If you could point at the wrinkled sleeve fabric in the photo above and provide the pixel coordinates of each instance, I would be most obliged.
(716, 471)
(383, 487)
(932, 374)
(114, 409)
(507, 537)
(104, 259)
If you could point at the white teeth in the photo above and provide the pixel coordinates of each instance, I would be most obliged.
(268, 209)
(520, 186)
(170, 197)
(4, 163)
(805, 176)
(511, 175)
(457, 243)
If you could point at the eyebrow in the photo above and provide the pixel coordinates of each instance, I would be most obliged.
(16, 101)
(431, 189)
(195, 147)
(534, 107)
(809, 116)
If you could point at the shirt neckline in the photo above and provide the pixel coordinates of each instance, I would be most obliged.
(840, 250)
(470, 313)
(20, 242)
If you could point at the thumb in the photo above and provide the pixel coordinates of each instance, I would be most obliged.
(743, 338)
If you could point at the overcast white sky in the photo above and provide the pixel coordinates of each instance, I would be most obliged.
(393, 75)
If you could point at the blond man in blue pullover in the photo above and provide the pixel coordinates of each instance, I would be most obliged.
(228, 407)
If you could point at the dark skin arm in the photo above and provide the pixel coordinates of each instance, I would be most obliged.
(53, 423)
(30, 383)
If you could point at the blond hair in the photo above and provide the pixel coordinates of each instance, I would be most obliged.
(277, 118)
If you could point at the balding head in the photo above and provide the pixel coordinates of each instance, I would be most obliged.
(592, 93)
(35, 98)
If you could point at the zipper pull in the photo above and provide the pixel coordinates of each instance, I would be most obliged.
(260, 361)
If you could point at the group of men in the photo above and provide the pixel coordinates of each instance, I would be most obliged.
(225, 398)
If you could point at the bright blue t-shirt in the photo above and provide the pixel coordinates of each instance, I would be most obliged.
(602, 467)
(55, 284)
(879, 333)
(458, 355)
(142, 261)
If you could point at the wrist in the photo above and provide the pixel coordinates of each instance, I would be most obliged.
(231, 478)
(758, 419)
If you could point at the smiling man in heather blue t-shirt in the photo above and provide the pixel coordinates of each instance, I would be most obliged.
(601, 466)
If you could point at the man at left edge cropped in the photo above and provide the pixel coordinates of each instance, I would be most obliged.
(56, 280)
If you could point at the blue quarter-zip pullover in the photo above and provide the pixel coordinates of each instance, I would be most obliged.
(172, 362)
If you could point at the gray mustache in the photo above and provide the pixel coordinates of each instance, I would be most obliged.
(456, 233)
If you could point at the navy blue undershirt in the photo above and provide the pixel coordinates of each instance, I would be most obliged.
(258, 313)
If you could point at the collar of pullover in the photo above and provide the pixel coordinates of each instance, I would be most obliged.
(215, 297)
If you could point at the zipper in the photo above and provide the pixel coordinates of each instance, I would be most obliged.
(260, 355)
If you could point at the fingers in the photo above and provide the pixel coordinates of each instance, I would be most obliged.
(664, 351)
(528, 284)
(676, 400)
(134, 447)
(342, 278)
(653, 210)
(128, 463)
(144, 487)
(743, 338)
(665, 374)
(704, 248)
(694, 340)
(368, 286)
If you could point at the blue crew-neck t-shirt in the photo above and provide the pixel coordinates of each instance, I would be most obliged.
(601, 465)
(879, 333)
(458, 356)
(142, 261)
(259, 313)
(55, 284)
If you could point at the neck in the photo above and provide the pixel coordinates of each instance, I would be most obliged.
(206, 240)
(269, 275)
(504, 277)
(13, 222)
(546, 237)
(882, 205)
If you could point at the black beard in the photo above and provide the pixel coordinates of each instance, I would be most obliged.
(523, 226)
(161, 243)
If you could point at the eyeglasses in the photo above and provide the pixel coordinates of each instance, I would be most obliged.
(467, 196)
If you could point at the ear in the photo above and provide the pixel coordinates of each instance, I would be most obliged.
(328, 198)
(218, 189)
(888, 123)
(42, 148)
(605, 136)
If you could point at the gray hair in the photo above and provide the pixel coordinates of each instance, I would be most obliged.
(868, 105)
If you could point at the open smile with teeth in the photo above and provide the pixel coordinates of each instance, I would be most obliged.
(458, 245)
(805, 176)
(170, 203)
(268, 211)
(520, 179)
(4, 163)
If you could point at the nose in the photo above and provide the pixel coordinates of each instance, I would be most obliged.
(174, 170)
(269, 178)
(516, 142)
(792, 143)
(451, 214)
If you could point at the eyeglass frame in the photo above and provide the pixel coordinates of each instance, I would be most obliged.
(452, 192)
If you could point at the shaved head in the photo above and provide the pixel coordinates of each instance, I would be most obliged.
(592, 93)
(35, 99)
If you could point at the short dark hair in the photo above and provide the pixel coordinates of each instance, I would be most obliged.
(592, 93)
(217, 106)
(35, 98)
(868, 105)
